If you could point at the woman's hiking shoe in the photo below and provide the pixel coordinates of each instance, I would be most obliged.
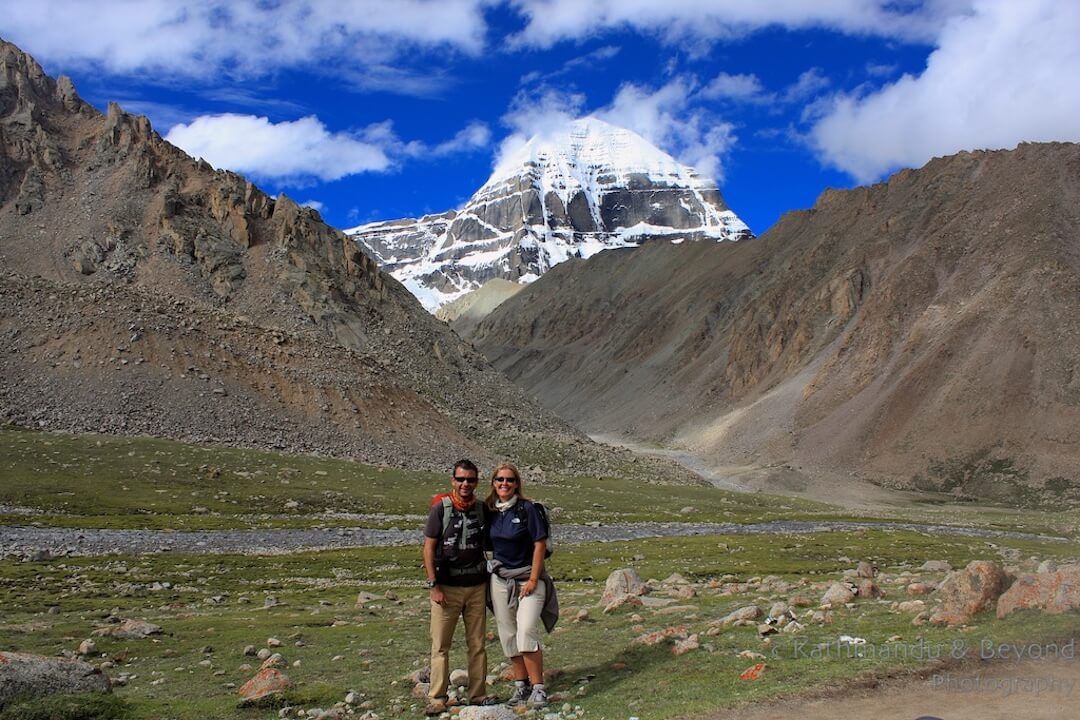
(538, 697)
(486, 700)
(522, 692)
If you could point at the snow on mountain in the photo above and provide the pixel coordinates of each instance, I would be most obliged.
(589, 187)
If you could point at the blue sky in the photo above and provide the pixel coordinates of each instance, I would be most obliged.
(380, 109)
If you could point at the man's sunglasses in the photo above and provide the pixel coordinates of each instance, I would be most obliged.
(470, 480)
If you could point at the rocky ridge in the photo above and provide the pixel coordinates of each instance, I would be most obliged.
(145, 292)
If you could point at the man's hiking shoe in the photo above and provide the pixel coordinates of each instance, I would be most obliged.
(436, 707)
(521, 693)
(538, 697)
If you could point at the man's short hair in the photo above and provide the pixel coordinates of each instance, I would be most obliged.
(466, 465)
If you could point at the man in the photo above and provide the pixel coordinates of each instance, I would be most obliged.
(457, 576)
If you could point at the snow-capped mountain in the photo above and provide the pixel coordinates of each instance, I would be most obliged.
(590, 187)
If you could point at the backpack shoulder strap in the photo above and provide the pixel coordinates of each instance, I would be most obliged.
(447, 512)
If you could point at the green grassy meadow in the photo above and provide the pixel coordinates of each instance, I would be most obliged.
(211, 606)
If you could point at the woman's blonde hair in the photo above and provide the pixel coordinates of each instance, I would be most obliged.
(492, 497)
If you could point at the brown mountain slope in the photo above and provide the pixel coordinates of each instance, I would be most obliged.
(143, 291)
(926, 325)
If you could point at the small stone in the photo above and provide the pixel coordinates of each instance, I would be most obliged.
(250, 650)
(88, 647)
(263, 653)
(273, 642)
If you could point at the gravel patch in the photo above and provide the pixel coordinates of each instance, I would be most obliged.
(22, 541)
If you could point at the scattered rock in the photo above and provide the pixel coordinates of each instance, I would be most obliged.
(684, 646)
(753, 672)
(868, 589)
(363, 598)
(274, 661)
(129, 630)
(865, 570)
(87, 647)
(749, 612)
(459, 677)
(621, 588)
(1053, 592)
(920, 588)
(935, 566)
(658, 636)
(911, 606)
(838, 594)
(489, 712)
(260, 689)
(970, 591)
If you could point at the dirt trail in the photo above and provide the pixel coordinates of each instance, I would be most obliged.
(1047, 689)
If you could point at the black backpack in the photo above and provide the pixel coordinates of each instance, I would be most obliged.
(542, 512)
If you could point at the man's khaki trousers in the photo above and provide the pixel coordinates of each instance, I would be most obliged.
(469, 603)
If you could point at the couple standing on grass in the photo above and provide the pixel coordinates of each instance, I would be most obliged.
(464, 583)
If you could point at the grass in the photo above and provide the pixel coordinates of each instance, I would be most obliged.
(211, 607)
(118, 482)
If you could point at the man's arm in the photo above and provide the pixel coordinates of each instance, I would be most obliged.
(430, 544)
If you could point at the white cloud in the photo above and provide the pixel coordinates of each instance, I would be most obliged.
(296, 151)
(734, 87)
(537, 114)
(678, 21)
(315, 205)
(474, 136)
(289, 151)
(241, 38)
(810, 83)
(667, 118)
(1003, 75)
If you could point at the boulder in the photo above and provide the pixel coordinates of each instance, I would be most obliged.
(129, 630)
(23, 674)
(868, 589)
(262, 688)
(935, 566)
(1054, 592)
(622, 584)
(487, 712)
(684, 646)
(865, 570)
(749, 612)
(970, 591)
(838, 594)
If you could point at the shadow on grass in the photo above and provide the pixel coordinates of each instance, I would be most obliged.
(88, 706)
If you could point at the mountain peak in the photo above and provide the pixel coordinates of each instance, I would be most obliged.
(572, 192)
(590, 144)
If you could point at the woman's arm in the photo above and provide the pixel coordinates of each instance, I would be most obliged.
(539, 548)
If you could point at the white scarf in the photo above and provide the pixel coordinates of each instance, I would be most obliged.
(503, 506)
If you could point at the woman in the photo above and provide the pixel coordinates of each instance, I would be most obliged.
(522, 592)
